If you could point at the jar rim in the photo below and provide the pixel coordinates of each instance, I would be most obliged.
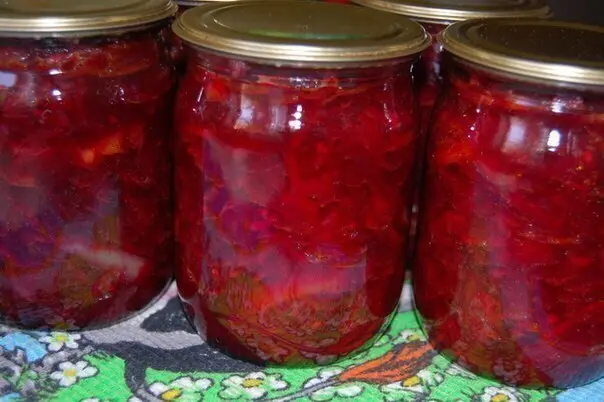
(68, 18)
(537, 50)
(301, 32)
(449, 11)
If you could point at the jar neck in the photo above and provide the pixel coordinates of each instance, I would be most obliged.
(484, 86)
(296, 77)
(109, 55)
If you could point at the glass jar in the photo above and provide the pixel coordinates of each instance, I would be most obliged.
(436, 15)
(295, 146)
(509, 274)
(85, 165)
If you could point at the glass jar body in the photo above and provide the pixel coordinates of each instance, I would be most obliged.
(85, 174)
(293, 194)
(509, 272)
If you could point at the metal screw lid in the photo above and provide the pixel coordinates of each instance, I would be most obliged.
(47, 18)
(301, 32)
(448, 11)
(536, 50)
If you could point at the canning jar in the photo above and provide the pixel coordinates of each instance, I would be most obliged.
(85, 165)
(295, 146)
(509, 275)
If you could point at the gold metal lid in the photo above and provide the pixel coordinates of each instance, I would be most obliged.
(301, 32)
(448, 11)
(536, 50)
(27, 18)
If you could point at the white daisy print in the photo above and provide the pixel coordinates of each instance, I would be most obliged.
(323, 375)
(457, 370)
(409, 335)
(338, 391)
(58, 340)
(383, 340)
(501, 394)
(421, 383)
(184, 389)
(332, 390)
(252, 386)
(69, 373)
(319, 359)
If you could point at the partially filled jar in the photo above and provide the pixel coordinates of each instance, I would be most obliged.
(509, 275)
(296, 141)
(86, 93)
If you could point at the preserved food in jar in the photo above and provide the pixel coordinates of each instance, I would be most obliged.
(293, 181)
(509, 274)
(85, 165)
(436, 15)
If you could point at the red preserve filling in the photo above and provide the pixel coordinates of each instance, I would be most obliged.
(292, 212)
(428, 81)
(85, 178)
(509, 274)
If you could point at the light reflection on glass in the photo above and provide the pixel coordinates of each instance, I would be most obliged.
(515, 138)
(57, 94)
(296, 122)
(553, 141)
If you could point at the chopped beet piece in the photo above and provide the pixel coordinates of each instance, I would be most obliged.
(293, 194)
(85, 176)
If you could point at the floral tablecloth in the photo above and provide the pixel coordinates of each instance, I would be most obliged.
(156, 356)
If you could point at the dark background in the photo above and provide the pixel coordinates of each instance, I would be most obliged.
(591, 11)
